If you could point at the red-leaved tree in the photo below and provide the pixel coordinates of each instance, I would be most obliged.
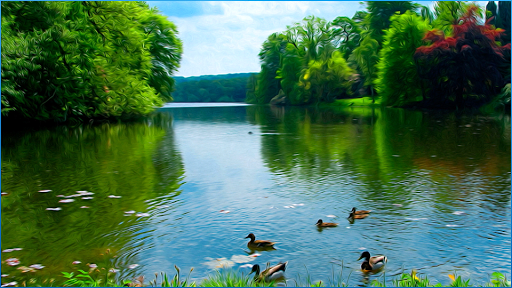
(463, 70)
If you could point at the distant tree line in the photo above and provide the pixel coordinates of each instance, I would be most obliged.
(86, 59)
(456, 55)
(212, 88)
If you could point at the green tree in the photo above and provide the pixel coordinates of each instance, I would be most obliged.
(490, 14)
(83, 59)
(347, 34)
(380, 12)
(327, 78)
(397, 80)
(270, 57)
(366, 56)
(503, 20)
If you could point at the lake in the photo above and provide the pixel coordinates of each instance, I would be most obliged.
(186, 185)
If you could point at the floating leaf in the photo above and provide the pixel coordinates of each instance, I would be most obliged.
(458, 213)
(398, 205)
(242, 258)
(44, 191)
(76, 262)
(25, 269)
(133, 266)
(129, 212)
(142, 215)
(66, 200)
(93, 266)
(37, 266)
(13, 283)
(246, 266)
(112, 270)
(61, 196)
(84, 207)
(13, 249)
(12, 261)
(224, 211)
(87, 198)
(114, 196)
(54, 209)
(331, 216)
(5, 275)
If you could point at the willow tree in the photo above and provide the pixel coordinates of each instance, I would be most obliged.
(397, 80)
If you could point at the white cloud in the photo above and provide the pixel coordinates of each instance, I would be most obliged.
(229, 40)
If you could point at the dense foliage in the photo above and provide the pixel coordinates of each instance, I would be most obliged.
(212, 88)
(463, 70)
(319, 61)
(85, 59)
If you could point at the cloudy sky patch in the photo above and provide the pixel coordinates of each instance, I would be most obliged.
(226, 37)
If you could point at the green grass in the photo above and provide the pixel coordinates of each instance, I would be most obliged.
(233, 278)
(363, 101)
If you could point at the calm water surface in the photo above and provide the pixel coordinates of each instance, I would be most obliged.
(438, 183)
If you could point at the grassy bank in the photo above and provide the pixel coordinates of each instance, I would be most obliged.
(363, 101)
(233, 278)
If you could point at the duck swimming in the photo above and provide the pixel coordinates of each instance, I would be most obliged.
(321, 223)
(353, 216)
(259, 243)
(269, 274)
(372, 263)
(360, 211)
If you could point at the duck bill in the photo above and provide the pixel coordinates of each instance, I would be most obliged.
(360, 258)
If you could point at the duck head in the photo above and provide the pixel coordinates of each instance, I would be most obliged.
(365, 255)
(353, 209)
(251, 236)
(255, 269)
(319, 222)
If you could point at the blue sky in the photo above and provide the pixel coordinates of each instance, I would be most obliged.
(221, 37)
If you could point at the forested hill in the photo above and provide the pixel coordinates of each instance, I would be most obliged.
(211, 88)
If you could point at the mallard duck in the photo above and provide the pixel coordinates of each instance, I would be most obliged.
(321, 223)
(269, 274)
(372, 263)
(354, 216)
(259, 243)
(360, 211)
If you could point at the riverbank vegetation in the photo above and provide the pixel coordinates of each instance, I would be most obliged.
(212, 88)
(86, 59)
(454, 56)
(101, 277)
